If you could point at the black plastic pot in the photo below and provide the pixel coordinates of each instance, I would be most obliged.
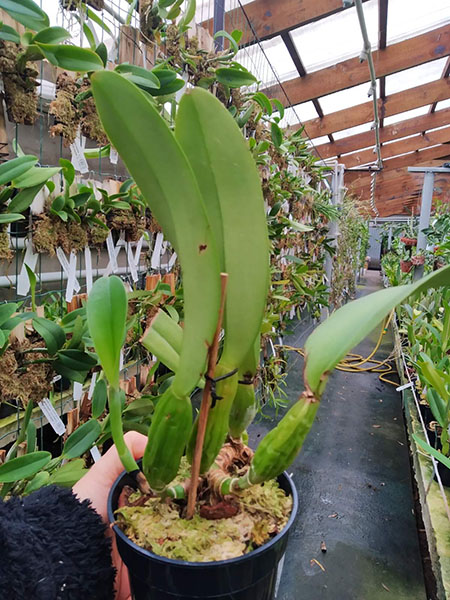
(254, 576)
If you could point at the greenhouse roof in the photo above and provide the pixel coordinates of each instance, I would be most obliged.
(307, 55)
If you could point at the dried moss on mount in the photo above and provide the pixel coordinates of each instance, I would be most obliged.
(5, 251)
(133, 225)
(65, 110)
(30, 384)
(75, 4)
(19, 85)
(50, 232)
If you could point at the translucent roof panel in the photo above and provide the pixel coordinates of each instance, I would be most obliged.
(345, 98)
(272, 57)
(409, 114)
(419, 75)
(443, 104)
(407, 18)
(338, 135)
(335, 38)
(298, 114)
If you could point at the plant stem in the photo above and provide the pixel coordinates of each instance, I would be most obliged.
(115, 417)
(205, 405)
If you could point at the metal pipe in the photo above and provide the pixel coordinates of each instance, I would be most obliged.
(219, 21)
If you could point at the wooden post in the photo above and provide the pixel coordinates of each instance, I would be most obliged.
(151, 281)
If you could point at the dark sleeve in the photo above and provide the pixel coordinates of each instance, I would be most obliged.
(53, 547)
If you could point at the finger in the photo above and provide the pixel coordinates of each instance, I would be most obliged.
(109, 467)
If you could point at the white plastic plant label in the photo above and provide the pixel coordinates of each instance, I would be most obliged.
(113, 156)
(92, 386)
(77, 391)
(30, 259)
(95, 454)
(156, 256)
(172, 260)
(71, 277)
(49, 412)
(121, 360)
(66, 267)
(112, 253)
(131, 263)
(78, 159)
(88, 265)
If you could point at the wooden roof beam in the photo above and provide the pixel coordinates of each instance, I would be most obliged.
(445, 74)
(391, 132)
(409, 144)
(396, 57)
(382, 42)
(269, 18)
(363, 113)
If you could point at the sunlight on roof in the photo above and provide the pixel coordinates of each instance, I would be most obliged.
(419, 75)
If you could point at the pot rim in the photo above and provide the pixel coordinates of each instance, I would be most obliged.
(208, 564)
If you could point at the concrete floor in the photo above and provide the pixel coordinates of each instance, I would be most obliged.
(354, 484)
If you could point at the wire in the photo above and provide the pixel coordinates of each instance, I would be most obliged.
(258, 42)
(353, 363)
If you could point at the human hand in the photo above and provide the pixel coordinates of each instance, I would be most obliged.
(95, 486)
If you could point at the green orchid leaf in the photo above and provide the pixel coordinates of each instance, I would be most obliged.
(230, 38)
(72, 58)
(68, 170)
(35, 176)
(100, 22)
(102, 152)
(189, 14)
(27, 13)
(76, 359)
(68, 474)
(435, 453)
(106, 314)
(51, 332)
(167, 88)
(276, 135)
(68, 373)
(141, 407)
(234, 78)
(10, 218)
(24, 199)
(278, 106)
(82, 439)
(263, 101)
(102, 51)
(9, 34)
(143, 78)
(39, 480)
(99, 398)
(6, 311)
(349, 325)
(15, 168)
(51, 35)
(23, 467)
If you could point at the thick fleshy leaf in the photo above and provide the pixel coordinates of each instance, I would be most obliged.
(140, 76)
(349, 325)
(39, 480)
(51, 332)
(435, 453)
(234, 78)
(76, 359)
(23, 467)
(10, 218)
(9, 34)
(15, 168)
(69, 474)
(27, 13)
(6, 311)
(230, 38)
(82, 439)
(106, 315)
(99, 398)
(35, 176)
(72, 58)
(51, 35)
(160, 168)
(24, 199)
(68, 373)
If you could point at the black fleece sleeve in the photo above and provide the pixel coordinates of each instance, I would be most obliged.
(53, 547)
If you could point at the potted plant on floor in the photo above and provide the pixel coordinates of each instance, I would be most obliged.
(203, 187)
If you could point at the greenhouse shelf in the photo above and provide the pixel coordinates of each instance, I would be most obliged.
(433, 505)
